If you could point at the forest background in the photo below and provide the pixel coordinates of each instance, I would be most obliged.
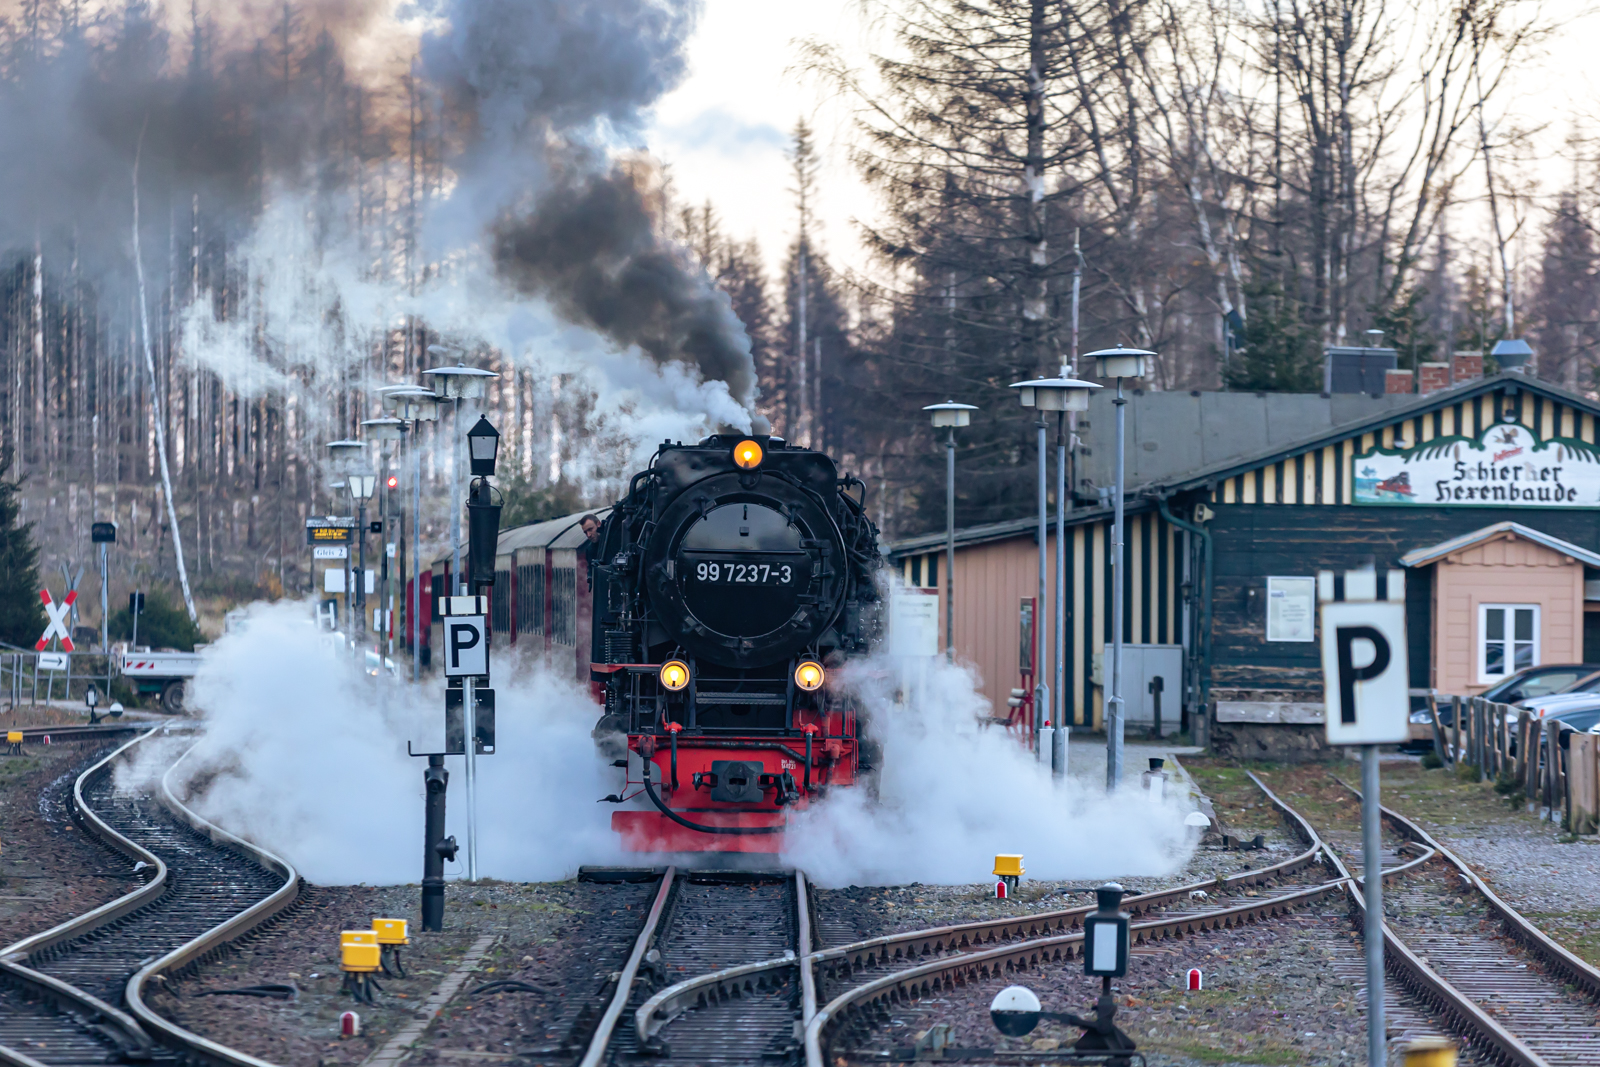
(1232, 185)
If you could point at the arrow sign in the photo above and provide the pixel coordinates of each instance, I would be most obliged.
(1365, 672)
(58, 620)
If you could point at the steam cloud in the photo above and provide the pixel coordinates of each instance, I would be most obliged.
(952, 794)
(327, 784)
(274, 147)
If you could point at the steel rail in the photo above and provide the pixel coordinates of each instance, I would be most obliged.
(601, 1039)
(944, 975)
(89, 1009)
(1571, 968)
(920, 943)
(673, 1001)
(701, 990)
(200, 948)
(1419, 978)
(85, 732)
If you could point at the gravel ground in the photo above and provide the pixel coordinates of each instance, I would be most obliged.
(303, 951)
(49, 869)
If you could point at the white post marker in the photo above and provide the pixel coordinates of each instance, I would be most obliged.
(1365, 673)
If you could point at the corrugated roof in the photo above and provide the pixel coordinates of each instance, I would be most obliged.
(563, 532)
(1421, 557)
(1138, 496)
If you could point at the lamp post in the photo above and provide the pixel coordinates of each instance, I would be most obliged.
(361, 488)
(418, 405)
(457, 383)
(1060, 395)
(1118, 363)
(385, 431)
(347, 458)
(950, 415)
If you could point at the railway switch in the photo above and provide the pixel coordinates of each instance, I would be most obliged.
(1008, 870)
(13, 742)
(360, 956)
(391, 936)
(1429, 1052)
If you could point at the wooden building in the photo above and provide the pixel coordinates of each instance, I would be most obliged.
(1476, 505)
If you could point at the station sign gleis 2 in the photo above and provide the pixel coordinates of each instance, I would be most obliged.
(1505, 467)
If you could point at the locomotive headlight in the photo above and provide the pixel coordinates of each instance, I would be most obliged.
(747, 455)
(809, 675)
(674, 674)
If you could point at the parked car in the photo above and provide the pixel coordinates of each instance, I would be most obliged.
(1541, 681)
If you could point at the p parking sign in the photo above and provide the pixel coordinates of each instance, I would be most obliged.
(466, 646)
(1365, 672)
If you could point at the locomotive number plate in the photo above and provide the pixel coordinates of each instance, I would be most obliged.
(731, 572)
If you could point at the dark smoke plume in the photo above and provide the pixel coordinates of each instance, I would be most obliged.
(592, 249)
(543, 89)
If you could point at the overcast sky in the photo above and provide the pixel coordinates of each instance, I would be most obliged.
(724, 132)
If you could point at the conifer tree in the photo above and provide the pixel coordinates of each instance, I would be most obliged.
(22, 617)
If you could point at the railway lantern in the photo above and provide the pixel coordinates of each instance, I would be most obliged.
(674, 674)
(810, 675)
(361, 486)
(747, 455)
(483, 531)
(1105, 935)
(483, 445)
(460, 382)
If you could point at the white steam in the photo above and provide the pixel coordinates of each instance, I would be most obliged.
(954, 793)
(306, 755)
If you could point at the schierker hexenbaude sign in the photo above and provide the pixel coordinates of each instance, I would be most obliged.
(1507, 466)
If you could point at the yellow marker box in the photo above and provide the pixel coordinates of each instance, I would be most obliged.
(13, 737)
(1008, 866)
(390, 931)
(359, 950)
(1430, 1052)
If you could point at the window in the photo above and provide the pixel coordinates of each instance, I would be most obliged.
(1508, 639)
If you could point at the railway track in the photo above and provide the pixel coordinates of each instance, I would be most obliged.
(1514, 995)
(76, 993)
(704, 922)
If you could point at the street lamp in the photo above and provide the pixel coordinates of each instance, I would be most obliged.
(385, 431)
(346, 458)
(950, 415)
(1118, 363)
(361, 487)
(483, 446)
(417, 405)
(1060, 395)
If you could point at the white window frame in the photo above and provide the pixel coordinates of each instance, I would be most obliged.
(1482, 640)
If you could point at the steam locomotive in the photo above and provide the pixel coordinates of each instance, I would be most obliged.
(734, 578)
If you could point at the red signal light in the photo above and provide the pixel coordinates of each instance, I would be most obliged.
(393, 481)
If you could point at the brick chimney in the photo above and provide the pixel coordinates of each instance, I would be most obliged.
(1397, 381)
(1434, 376)
(1466, 366)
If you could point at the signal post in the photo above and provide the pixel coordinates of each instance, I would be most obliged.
(1367, 704)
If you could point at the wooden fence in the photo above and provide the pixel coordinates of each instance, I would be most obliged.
(1556, 768)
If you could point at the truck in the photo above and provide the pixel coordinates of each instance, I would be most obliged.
(166, 673)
